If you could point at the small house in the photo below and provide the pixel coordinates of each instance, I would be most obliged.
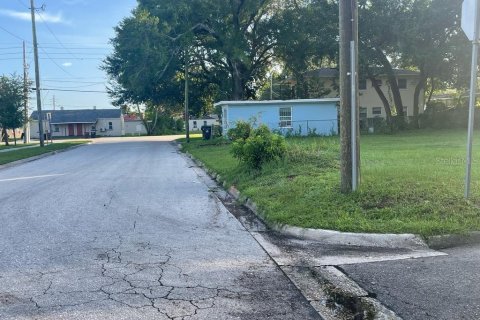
(134, 125)
(197, 124)
(79, 123)
(296, 117)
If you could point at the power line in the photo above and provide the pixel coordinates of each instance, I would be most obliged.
(12, 34)
(60, 67)
(71, 90)
(55, 36)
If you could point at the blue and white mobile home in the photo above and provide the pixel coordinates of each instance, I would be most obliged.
(299, 117)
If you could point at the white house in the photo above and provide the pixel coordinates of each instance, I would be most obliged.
(197, 124)
(134, 125)
(301, 117)
(79, 123)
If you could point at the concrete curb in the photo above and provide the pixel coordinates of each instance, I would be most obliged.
(408, 240)
(41, 156)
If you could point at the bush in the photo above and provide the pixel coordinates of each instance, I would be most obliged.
(241, 132)
(180, 125)
(217, 131)
(260, 147)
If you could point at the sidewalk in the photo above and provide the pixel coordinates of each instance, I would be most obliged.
(358, 278)
(17, 148)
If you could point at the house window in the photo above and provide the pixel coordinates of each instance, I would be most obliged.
(377, 111)
(362, 84)
(57, 128)
(285, 117)
(363, 112)
(378, 82)
(402, 83)
(194, 124)
(110, 126)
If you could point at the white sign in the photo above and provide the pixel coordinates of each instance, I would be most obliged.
(469, 8)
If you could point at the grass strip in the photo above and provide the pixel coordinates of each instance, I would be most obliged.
(412, 182)
(7, 157)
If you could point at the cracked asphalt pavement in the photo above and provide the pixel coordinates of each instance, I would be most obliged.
(126, 229)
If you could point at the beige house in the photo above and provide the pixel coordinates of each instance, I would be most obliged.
(79, 123)
(370, 104)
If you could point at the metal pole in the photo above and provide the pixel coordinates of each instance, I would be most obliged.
(472, 102)
(271, 86)
(187, 118)
(353, 71)
(26, 129)
(37, 74)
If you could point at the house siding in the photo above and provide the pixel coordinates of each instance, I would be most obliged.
(306, 117)
(135, 127)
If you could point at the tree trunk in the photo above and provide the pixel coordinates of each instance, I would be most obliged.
(237, 82)
(416, 98)
(397, 98)
(381, 95)
(5, 136)
(14, 137)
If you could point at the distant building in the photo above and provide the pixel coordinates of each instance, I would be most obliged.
(134, 125)
(197, 124)
(299, 117)
(79, 123)
(324, 84)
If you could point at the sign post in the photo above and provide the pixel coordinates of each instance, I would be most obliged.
(471, 25)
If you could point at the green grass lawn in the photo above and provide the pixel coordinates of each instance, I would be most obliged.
(14, 155)
(12, 145)
(411, 182)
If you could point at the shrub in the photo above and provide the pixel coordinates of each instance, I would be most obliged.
(217, 131)
(260, 147)
(241, 132)
(180, 125)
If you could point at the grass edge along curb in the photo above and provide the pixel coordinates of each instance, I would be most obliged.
(389, 240)
(40, 156)
(326, 236)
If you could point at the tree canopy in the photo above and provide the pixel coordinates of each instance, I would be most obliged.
(231, 46)
(11, 104)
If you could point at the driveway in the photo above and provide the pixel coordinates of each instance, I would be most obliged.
(126, 229)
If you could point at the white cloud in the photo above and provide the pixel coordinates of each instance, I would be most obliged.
(42, 17)
(67, 64)
(75, 2)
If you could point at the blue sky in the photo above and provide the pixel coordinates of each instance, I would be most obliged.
(73, 37)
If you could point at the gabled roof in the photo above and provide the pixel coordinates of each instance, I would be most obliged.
(78, 116)
(333, 73)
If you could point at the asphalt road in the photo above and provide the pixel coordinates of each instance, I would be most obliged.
(443, 287)
(126, 229)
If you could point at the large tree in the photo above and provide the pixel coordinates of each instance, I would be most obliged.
(434, 44)
(11, 104)
(227, 45)
(307, 39)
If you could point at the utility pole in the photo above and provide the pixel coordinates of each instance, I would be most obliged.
(187, 118)
(37, 75)
(271, 86)
(474, 36)
(349, 113)
(26, 126)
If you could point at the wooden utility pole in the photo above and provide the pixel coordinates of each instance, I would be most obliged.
(37, 75)
(187, 118)
(349, 112)
(26, 128)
